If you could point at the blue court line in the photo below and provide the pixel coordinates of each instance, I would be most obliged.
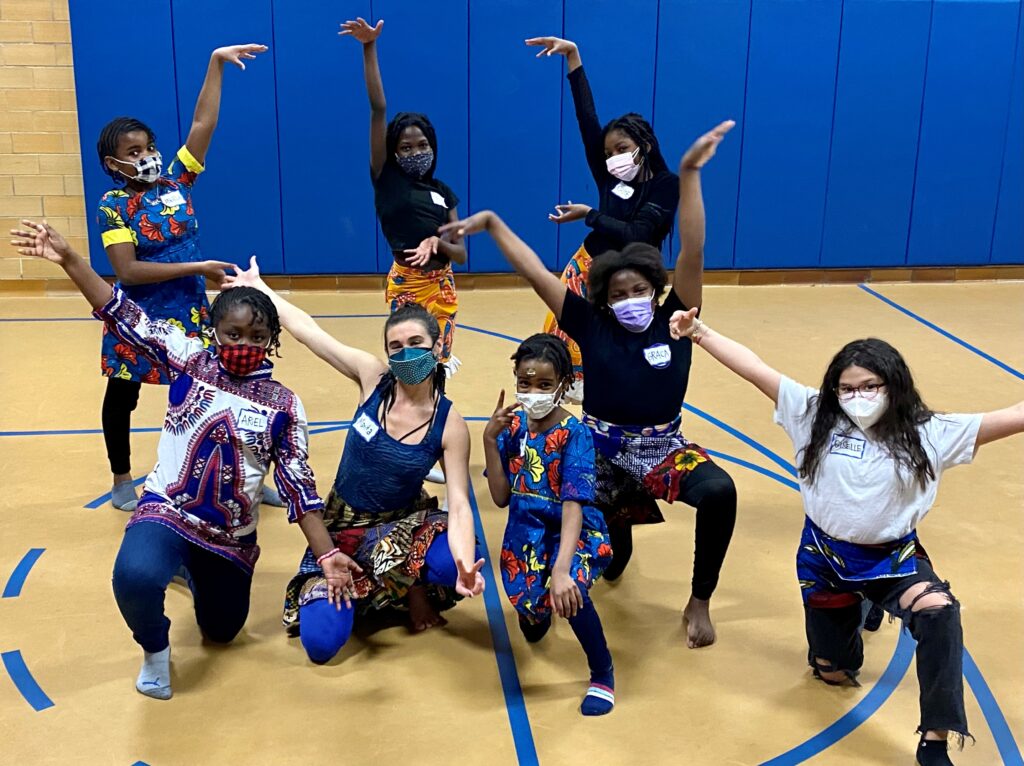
(755, 468)
(863, 710)
(774, 457)
(1001, 733)
(24, 681)
(945, 333)
(522, 734)
(17, 580)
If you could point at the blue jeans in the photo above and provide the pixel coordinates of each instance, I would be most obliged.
(150, 556)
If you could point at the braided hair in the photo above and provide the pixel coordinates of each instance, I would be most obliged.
(260, 305)
(412, 312)
(106, 146)
(404, 120)
(543, 347)
(640, 130)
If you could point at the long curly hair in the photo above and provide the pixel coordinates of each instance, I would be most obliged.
(896, 429)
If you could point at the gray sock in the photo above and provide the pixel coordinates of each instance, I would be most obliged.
(155, 675)
(272, 497)
(123, 496)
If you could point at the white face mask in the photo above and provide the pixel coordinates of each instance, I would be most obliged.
(865, 412)
(539, 406)
(623, 166)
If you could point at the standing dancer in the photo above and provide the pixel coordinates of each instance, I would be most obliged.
(637, 193)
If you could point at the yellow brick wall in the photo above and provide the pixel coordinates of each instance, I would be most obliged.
(40, 165)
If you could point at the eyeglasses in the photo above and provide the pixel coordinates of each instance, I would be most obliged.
(868, 391)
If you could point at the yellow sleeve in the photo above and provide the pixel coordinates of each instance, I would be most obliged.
(191, 163)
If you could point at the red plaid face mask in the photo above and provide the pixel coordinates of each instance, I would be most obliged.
(241, 359)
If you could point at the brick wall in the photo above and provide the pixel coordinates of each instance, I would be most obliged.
(40, 165)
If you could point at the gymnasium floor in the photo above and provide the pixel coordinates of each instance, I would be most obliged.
(474, 692)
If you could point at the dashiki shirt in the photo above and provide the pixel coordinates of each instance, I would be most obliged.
(220, 434)
(161, 223)
(544, 470)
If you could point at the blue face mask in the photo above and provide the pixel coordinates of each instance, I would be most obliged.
(413, 365)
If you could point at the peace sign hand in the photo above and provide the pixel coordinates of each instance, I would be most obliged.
(500, 420)
(470, 582)
(362, 31)
(703, 149)
(235, 53)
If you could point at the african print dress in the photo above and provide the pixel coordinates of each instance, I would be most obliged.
(544, 470)
(161, 223)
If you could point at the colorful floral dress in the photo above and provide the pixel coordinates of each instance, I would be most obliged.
(544, 470)
(161, 223)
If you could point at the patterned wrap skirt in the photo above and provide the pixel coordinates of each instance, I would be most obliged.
(389, 547)
(433, 290)
(639, 465)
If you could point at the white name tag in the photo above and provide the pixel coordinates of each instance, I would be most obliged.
(622, 190)
(849, 446)
(250, 420)
(438, 199)
(172, 198)
(365, 427)
(658, 355)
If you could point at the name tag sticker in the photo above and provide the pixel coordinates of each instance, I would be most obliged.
(365, 427)
(622, 191)
(848, 446)
(438, 199)
(250, 420)
(172, 198)
(658, 355)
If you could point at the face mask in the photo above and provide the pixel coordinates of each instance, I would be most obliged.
(147, 170)
(865, 412)
(635, 314)
(623, 166)
(416, 165)
(240, 359)
(413, 365)
(538, 406)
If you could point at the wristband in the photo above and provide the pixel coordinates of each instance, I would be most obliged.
(699, 330)
(332, 552)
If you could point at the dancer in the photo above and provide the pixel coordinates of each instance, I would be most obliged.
(637, 193)
(870, 456)
(622, 329)
(226, 421)
(541, 467)
(150, 233)
(410, 553)
(411, 204)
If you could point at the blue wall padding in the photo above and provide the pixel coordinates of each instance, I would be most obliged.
(1008, 236)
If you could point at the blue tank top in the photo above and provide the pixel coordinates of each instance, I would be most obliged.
(378, 473)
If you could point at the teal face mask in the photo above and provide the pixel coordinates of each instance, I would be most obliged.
(412, 365)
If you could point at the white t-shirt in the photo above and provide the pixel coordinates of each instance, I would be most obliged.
(859, 495)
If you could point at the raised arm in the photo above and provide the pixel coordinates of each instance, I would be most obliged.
(368, 35)
(204, 120)
(40, 240)
(582, 99)
(494, 433)
(517, 253)
(357, 365)
(735, 356)
(999, 424)
(461, 533)
(688, 281)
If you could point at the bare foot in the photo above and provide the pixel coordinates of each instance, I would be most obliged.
(422, 615)
(697, 617)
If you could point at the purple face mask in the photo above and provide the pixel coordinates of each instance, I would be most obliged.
(635, 314)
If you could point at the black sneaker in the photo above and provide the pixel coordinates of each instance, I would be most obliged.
(933, 752)
(874, 619)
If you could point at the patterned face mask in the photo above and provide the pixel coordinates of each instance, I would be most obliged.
(147, 170)
(241, 359)
(413, 365)
(416, 165)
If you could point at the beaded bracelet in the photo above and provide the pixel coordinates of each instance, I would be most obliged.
(332, 552)
(699, 328)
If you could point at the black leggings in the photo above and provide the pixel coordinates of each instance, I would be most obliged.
(710, 490)
(119, 403)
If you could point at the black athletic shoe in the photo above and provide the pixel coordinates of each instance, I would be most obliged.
(874, 619)
(933, 752)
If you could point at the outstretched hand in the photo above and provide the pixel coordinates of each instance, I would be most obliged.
(340, 571)
(40, 240)
(474, 224)
(362, 31)
(421, 255)
(244, 277)
(569, 212)
(682, 323)
(552, 46)
(470, 582)
(233, 54)
(703, 149)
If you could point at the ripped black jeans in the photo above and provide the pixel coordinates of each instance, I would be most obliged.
(833, 635)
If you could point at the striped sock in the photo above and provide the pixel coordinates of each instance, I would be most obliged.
(600, 699)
